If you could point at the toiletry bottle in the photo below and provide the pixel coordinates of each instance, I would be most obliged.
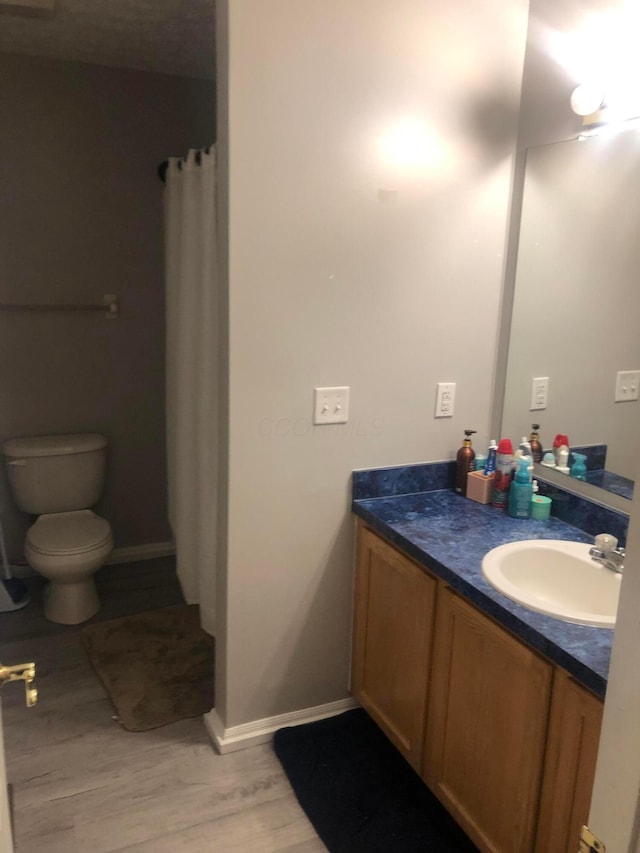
(502, 479)
(562, 457)
(534, 442)
(490, 465)
(521, 492)
(579, 467)
(559, 441)
(465, 460)
(480, 461)
(525, 453)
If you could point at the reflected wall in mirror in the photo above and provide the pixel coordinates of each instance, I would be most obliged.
(577, 296)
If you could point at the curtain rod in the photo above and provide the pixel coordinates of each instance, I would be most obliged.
(162, 167)
(109, 306)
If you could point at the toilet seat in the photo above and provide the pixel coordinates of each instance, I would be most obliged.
(68, 533)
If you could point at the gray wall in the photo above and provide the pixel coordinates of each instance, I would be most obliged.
(348, 267)
(80, 216)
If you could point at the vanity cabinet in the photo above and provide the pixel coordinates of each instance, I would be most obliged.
(505, 739)
(486, 726)
(570, 764)
(393, 630)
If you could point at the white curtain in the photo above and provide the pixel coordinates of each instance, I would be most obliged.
(192, 343)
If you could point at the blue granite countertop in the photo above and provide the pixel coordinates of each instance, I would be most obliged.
(449, 535)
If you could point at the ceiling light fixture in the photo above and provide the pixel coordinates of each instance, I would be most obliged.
(587, 99)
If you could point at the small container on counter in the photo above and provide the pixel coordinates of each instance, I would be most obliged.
(540, 508)
(480, 486)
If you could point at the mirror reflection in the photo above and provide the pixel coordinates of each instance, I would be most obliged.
(577, 303)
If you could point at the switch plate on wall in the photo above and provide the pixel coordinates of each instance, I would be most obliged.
(627, 385)
(445, 399)
(331, 405)
(539, 393)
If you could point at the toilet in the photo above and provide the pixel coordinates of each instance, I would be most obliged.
(59, 478)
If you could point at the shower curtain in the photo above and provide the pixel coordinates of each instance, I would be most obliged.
(192, 342)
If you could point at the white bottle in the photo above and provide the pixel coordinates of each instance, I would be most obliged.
(525, 453)
(562, 459)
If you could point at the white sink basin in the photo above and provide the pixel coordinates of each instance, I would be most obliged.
(557, 578)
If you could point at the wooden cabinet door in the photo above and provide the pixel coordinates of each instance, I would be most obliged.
(570, 765)
(393, 627)
(486, 727)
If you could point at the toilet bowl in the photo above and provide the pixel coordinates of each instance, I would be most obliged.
(68, 548)
(59, 478)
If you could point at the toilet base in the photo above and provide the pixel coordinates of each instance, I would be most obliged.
(71, 603)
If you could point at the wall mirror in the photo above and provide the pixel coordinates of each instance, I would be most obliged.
(577, 301)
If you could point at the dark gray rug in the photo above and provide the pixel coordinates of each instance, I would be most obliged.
(360, 794)
(156, 666)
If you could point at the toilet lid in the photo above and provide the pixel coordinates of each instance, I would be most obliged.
(69, 532)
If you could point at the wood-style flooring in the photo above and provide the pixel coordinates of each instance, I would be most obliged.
(82, 784)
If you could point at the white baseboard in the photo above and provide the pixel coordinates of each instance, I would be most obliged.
(134, 553)
(235, 738)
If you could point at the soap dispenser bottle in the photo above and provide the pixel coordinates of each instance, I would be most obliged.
(521, 491)
(534, 443)
(465, 460)
(579, 467)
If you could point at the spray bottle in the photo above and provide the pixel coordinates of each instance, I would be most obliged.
(521, 491)
(579, 467)
(502, 480)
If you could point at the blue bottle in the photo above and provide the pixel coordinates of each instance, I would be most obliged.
(579, 468)
(521, 491)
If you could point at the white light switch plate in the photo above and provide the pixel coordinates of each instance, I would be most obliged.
(627, 382)
(445, 399)
(331, 405)
(539, 393)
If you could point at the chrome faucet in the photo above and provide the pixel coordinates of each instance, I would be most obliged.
(610, 559)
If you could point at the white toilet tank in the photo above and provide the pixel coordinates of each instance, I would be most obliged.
(56, 473)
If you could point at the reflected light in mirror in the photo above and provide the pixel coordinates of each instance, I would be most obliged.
(603, 55)
(586, 99)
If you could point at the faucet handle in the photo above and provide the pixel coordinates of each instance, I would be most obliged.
(606, 542)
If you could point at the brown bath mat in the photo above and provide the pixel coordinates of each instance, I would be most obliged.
(156, 666)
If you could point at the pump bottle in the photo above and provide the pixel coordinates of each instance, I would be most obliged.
(534, 443)
(465, 460)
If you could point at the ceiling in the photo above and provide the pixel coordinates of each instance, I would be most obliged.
(166, 36)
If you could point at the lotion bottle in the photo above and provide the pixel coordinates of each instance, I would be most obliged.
(465, 462)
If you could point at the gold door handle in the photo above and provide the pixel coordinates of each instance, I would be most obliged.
(21, 672)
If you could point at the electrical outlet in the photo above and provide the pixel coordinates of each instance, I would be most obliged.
(539, 393)
(331, 405)
(445, 399)
(627, 382)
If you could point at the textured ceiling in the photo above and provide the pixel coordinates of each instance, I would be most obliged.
(166, 36)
